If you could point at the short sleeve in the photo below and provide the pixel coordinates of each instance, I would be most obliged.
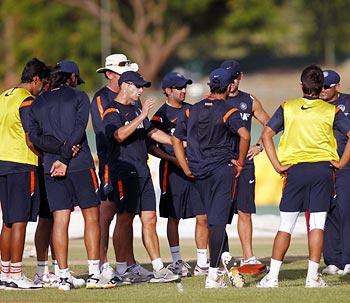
(276, 123)
(181, 125)
(341, 123)
(112, 121)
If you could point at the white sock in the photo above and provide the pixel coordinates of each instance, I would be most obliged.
(16, 270)
(312, 269)
(202, 257)
(94, 267)
(5, 269)
(275, 266)
(55, 268)
(157, 264)
(121, 267)
(175, 253)
(42, 268)
(213, 273)
(64, 273)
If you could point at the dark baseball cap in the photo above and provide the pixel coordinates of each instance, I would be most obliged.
(219, 77)
(331, 78)
(135, 78)
(175, 79)
(67, 66)
(233, 67)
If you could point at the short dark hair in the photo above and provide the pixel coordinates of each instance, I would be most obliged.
(218, 90)
(33, 68)
(312, 80)
(57, 79)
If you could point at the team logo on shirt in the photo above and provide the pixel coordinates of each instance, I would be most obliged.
(245, 116)
(172, 131)
(243, 106)
(342, 108)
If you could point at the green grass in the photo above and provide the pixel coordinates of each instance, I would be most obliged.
(292, 279)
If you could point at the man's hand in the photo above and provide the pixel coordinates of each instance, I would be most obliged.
(336, 164)
(76, 149)
(238, 166)
(188, 173)
(58, 169)
(281, 169)
(253, 151)
(146, 107)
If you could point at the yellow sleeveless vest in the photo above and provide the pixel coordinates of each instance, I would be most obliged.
(13, 145)
(308, 132)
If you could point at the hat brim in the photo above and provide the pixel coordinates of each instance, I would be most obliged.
(80, 80)
(119, 69)
(180, 83)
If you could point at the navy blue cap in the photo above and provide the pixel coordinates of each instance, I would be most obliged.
(67, 66)
(331, 78)
(233, 67)
(219, 77)
(135, 78)
(175, 79)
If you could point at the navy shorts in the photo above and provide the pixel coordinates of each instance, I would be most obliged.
(44, 210)
(217, 192)
(20, 197)
(134, 194)
(106, 189)
(75, 189)
(179, 198)
(245, 199)
(308, 186)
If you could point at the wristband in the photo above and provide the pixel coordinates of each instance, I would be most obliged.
(260, 146)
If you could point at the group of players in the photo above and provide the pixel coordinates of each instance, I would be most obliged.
(206, 171)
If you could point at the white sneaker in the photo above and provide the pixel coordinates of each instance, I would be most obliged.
(3, 281)
(78, 282)
(330, 270)
(21, 283)
(251, 261)
(164, 275)
(231, 269)
(215, 283)
(48, 280)
(107, 271)
(200, 271)
(315, 282)
(345, 271)
(267, 282)
(93, 282)
(66, 284)
(180, 268)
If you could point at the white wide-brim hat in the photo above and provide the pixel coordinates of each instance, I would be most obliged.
(119, 64)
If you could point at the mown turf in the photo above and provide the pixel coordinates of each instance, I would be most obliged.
(292, 280)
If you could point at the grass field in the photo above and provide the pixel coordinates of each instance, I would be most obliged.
(292, 279)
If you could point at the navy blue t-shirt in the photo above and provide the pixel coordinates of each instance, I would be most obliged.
(165, 119)
(210, 129)
(99, 103)
(127, 158)
(244, 103)
(343, 103)
(61, 115)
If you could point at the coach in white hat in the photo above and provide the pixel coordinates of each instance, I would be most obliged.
(118, 63)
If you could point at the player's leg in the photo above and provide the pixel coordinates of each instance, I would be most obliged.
(107, 212)
(245, 232)
(201, 238)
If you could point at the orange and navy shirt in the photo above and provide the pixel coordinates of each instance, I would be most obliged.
(210, 129)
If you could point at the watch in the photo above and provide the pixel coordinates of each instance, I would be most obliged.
(261, 147)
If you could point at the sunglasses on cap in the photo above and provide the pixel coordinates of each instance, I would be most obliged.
(179, 87)
(328, 86)
(121, 63)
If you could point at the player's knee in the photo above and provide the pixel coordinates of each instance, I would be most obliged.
(288, 221)
(317, 220)
(246, 217)
(149, 219)
(202, 220)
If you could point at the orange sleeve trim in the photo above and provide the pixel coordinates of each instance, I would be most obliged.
(26, 103)
(94, 179)
(120, 189)
(337, 109)
(156, 118)
(99, 106)
(283, 104)
(187, 112)
(229, 113)
(106, 175)
(109, 110)
(32, 183)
